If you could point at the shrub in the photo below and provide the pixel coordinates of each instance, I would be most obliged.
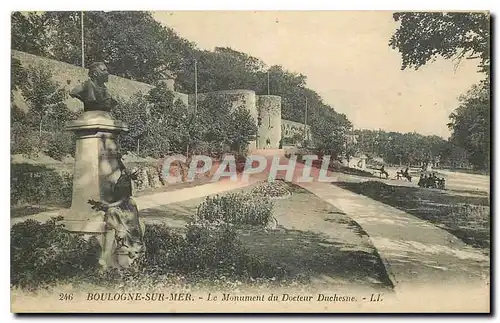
(208, 249)
(211, 245)
(42, 254)
(46, 254)
(163, 246)
(33, 184)
(236, 208)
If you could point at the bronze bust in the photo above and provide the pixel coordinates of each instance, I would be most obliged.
(93, 92)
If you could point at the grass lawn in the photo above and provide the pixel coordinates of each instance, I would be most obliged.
(25, 210)
(467, 216)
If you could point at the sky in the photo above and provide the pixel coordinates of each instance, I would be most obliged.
(346, 58)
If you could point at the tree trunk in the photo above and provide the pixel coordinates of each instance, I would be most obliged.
(40, 132)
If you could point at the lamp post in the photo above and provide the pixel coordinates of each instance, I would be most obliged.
(195, 100)
(195, 86)
(268, 86)
(83, 47)
(305, 122)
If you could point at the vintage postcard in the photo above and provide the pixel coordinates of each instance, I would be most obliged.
(250, 162)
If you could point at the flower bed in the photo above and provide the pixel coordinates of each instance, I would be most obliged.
(236, 208)
(275, 190)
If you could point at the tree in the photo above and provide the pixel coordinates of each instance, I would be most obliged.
(296, 138)
(214, 113)
(131, 43)
(241, 130)
(422, 37)
(17, 75)
(223, 69)
(470, 123)
(29, 32)
(351, 146)
(454, 156)
(166, 125)
(134, 113)
(20, 142)
(112, 37)
(47, 113)
(135, 46)
(45, 99)
(402, 148)
(163, 125)
(329, 133)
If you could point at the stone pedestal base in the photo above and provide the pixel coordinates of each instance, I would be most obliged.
(96, 171)
(106, 238)
(123, 260)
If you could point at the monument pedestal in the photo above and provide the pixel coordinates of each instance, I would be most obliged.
(96, 170)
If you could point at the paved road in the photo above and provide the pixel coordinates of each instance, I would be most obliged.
(164, 198)
(462, 181)
(416, 252)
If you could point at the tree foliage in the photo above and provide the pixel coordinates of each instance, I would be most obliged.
(160, 125)
(134, 113)
(17, 75)
(41, 127)
(470, 123)
(423, 36)
(329, 133)
(45, 99)
(409, 148)
(131, 43)
(135, 46)
(157, 123)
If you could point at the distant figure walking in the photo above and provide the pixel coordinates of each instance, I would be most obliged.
(421, 180)
(383, 172)
(268, 143)
(406, 174)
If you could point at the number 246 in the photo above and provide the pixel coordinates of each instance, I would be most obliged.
(65, 297)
